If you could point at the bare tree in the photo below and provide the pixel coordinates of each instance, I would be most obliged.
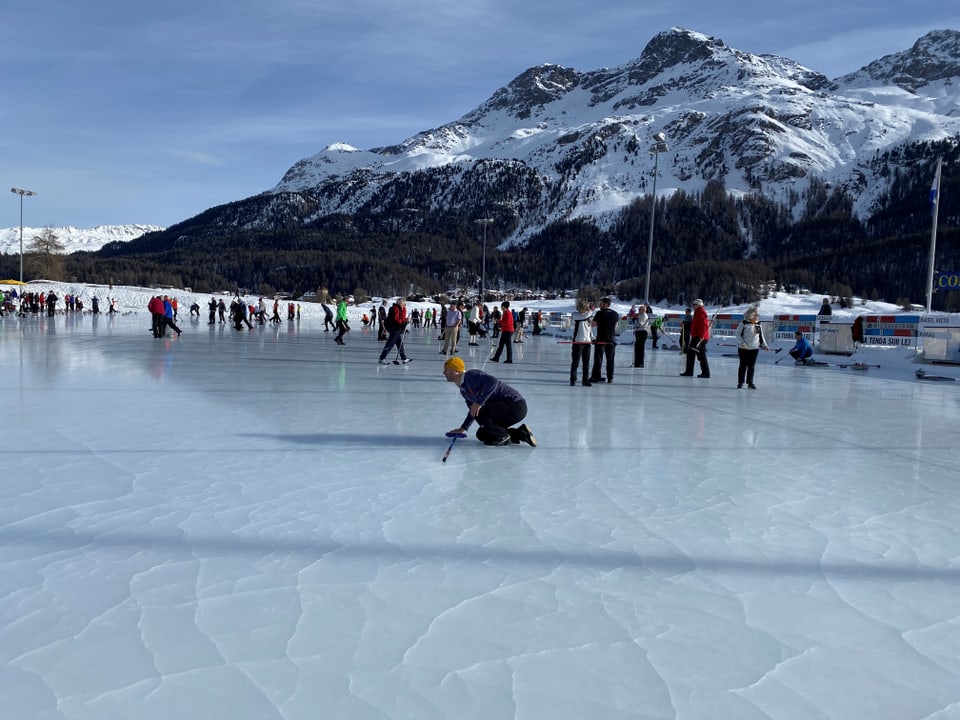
(46, 255)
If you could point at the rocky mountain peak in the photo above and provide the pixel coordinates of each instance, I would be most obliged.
(575, 143)
(934, 57)
(679, 46)
(533, 88)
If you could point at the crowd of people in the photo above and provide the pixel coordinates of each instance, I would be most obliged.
(47, 303)
(593, 342)
(495, 406)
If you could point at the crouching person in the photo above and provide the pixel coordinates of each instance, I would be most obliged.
(493, 404)
(801, 352)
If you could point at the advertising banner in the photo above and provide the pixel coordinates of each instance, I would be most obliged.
(786, 325)
(726, 325)
(947, 281)
(890, 329)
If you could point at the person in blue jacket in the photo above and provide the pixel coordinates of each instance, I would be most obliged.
(801, 352)
(493, 404)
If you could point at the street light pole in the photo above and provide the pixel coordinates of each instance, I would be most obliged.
(21, 193)
(483, 274)
(658, 147)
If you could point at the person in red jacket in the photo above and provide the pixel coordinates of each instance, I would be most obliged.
(699, 335)
(157, 315)
(506, 333)
(396, 326)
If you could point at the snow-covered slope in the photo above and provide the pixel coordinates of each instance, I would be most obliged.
(73, 239)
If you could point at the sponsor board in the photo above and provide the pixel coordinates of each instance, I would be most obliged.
(948, 281)
(890, 329)
(887, 340)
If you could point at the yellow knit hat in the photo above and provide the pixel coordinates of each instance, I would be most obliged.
(455, 364)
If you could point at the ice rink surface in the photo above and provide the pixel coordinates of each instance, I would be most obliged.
(257, 525)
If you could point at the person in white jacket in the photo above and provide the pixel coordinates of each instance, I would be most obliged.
(473, 324)
(751, 342)
(641, 330)
(582, 339)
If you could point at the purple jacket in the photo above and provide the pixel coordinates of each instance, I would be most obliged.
(479, 387)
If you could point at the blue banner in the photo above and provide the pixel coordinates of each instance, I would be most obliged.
(947, 281)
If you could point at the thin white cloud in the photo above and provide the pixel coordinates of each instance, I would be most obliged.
(200, 158)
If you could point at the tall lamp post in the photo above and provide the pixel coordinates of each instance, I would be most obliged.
(659, 146)
(483, 273)
(21, 193)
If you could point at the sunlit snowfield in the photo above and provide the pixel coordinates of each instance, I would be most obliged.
(258, 525)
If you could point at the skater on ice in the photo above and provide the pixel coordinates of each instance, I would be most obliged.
(396, 326)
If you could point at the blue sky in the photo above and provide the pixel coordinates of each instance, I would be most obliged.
(125, 112)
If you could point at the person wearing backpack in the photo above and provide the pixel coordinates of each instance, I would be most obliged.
(396, 325)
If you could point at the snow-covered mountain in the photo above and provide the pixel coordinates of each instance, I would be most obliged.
(560, 143)
(73, 239)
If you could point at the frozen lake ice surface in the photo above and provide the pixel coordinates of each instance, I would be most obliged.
(257, 524)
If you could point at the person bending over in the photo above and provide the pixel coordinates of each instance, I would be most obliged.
(801, 352)
(493, 404)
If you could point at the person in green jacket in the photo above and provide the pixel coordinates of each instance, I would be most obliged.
(656, 324)
(342, 326)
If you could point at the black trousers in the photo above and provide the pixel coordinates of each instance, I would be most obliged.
(580, 353)
(748, 362)
(168, 323)
(608, 352)
(496, 417)
(639, 346)
(697, 351)
(506, 341)
(395, 338)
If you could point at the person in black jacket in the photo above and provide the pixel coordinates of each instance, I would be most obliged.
(382, 317)
(605, 321)
(685, 329)
(327, 318)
